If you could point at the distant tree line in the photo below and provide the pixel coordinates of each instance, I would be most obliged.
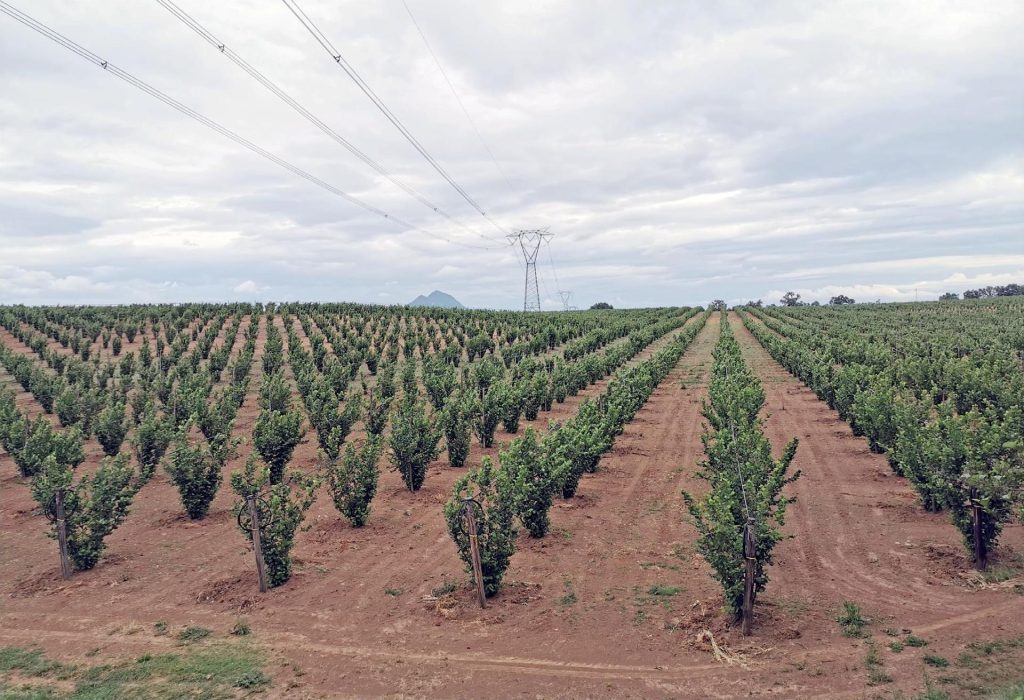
(1009, 290)
(793, 299)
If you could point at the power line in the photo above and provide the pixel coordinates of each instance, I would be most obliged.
(544, 286)
(551, 259)
(324, 42)
(458, 99)
(89, 56)
(564, 295)
(209, 38)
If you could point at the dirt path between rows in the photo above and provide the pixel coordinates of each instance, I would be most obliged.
(860, 534)
(575, 609)
(609, 604)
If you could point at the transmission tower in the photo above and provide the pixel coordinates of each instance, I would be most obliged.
(529, 241)
(566, 296)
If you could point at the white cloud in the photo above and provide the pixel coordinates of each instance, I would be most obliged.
(248, 287)
(921, 290)
(680, 152)
(947, 262)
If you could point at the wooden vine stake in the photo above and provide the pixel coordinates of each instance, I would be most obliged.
(60, 517)
(257, 541)
(977, 516)
(750, 562)
(474, 548)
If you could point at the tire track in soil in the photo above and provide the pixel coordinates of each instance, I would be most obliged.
(616, 484)
(427, 554)
(138, 554)
(335, 621)
(626, 532)
(157, 537)
(858, 530)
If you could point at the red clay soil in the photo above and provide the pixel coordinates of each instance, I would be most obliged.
(613, 602)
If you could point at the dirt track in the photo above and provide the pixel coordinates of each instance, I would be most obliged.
(579, 615)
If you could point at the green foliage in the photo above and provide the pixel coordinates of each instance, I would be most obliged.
(978, 455)
(526, 462)
(484, 374)
(494, 489)
(414, 441)
(287, 501)
(536, 396)
(206, 671)
(386, 382)
(273, 350)
(69, 406)
(197, 471)
(95, 506)
(193, 633)
(595, 432)
(275, 437)
(851, 620)
(479, 345)
(455, 421)
(31, 442)
(44, 388)
(439, 379)
(111, 427)
(409, 377)
(937, 387)
(218, 417)
(510, 405)
(333, 421)
(746, 482)
(487, 414)
(10, 417)
(352, 479)
(152, 436)
(188, 397)
(565, 449)
(275, 393)
(378, 405)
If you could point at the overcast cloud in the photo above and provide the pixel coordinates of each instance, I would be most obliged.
(679, 151)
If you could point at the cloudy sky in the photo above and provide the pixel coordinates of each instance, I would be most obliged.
(679, 151)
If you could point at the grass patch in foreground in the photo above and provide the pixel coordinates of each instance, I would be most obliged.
(986, 669)
(211, 672)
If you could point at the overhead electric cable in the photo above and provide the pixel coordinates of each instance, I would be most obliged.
(324, 42)
(458, 99)
(208, 36)
(551, 259)
(544, 286)
(60, 39)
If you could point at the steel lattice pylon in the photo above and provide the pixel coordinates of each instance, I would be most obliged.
(529, 241)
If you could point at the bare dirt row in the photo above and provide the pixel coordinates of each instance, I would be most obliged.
(613, 602)
(160, 566)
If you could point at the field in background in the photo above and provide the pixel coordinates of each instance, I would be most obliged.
(892, 404)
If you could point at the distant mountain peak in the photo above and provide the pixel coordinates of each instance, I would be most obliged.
(439, 299)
